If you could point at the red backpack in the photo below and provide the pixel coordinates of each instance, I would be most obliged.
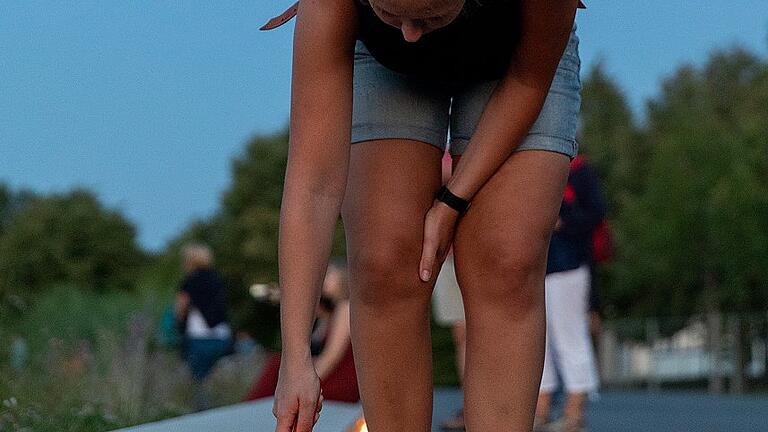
(603, 246)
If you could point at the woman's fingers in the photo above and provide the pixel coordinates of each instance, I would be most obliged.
(428, 251)
(284, 423)
(303, 421)
(306, 418)
(319, 407)
(438, 234)
(297, 398)
(285, 415)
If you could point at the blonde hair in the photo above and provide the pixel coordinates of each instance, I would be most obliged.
(197, 255)
(339, 266)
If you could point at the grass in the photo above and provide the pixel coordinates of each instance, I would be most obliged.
(443, 357)
(94, 365)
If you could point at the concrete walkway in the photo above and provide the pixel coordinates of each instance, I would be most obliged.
(613, 412)
(249, 417)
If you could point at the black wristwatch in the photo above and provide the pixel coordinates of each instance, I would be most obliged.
(457, 203)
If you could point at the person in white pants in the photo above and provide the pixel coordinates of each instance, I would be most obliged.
(569, 352)
(449, 312)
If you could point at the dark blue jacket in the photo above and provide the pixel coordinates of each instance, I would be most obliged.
(208, 294)
(582, 210)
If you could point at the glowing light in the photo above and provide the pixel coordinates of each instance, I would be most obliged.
(359, 426)
(259, 290)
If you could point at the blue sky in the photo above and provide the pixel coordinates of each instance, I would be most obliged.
(147, 102)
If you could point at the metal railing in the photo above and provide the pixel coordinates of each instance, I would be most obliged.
(719, 352)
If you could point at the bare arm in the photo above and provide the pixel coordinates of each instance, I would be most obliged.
(315, 181)
(338, 342)
(318, 157)
(517, 100)
(509, 115)
(182, 305)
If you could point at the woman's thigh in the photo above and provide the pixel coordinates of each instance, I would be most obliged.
(508, 227)
(399, 132)
(390, 187)
(501, 242)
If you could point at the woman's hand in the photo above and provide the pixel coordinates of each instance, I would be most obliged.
(438, 237)
(298, 398)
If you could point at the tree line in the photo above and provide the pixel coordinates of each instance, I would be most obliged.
(687, 186)
(63, 238)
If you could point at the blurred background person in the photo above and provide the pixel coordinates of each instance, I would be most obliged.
(245, 343)
(19, 353)
(201, 310)
(331, 344)
(449, 312)
(569, 353)
(602, 251)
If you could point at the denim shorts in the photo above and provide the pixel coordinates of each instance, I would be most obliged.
(391, 105)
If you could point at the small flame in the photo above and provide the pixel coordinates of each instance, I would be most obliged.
(358, 426)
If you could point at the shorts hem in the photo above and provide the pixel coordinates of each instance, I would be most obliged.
(590, 389)
(548, 388)
(581, 388)
(534, 141)
(382, 132)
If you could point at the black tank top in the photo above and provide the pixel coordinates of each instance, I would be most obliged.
(477, 46)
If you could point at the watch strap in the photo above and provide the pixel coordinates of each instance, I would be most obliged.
(457, 203)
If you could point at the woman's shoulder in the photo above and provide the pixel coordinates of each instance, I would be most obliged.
(344, 8)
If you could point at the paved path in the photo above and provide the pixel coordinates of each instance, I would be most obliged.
(678, 412)
(613, 412)
(249, 417)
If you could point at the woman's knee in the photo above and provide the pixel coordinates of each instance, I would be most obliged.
(387, 274)
(511, 277)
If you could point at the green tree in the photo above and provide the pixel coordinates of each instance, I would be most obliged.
(11, 202)
(696, 237)
(247, 228)
(68, 238)
(5, 206)
(611, 141)
(257, 175)
(609, 137)
(244, 233)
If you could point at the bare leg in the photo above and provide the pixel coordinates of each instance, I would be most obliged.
(459, 331)
(543, 408)
(460, 343)
(390, 188)
(574, 410)
(500, 254)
